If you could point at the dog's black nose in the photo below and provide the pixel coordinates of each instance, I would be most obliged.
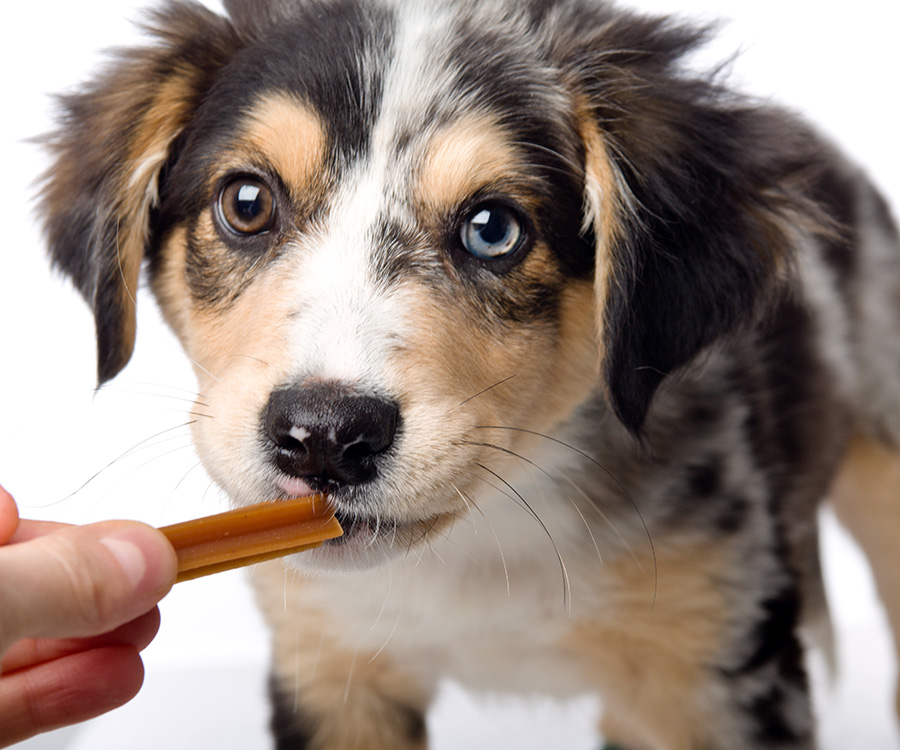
(326, 434)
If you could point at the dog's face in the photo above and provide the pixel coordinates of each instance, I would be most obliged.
(361, 306)
(397, 241)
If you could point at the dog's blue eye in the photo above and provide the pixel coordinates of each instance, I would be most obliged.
(491, 231)
(247, 206)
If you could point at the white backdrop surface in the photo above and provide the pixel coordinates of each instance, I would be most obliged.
(68, 453)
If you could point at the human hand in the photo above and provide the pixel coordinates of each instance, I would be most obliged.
(77, 606)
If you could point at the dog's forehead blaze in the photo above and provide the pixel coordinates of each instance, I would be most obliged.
(461, 159)
(289, 134)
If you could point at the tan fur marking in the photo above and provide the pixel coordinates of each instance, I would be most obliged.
(462, 159)
(170, 285)
(290, 135)
(569, 361)
(162, 122)
(647, 654)
(866, 498)
(220, 339)
(602, 207)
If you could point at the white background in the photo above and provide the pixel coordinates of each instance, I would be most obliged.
(205, 673)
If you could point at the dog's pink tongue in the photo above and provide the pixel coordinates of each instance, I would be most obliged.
(295, 487)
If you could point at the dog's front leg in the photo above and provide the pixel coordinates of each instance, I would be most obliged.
(349, 704)
(329, 689)
(697, 650)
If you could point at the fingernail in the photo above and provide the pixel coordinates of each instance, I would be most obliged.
(128, 555)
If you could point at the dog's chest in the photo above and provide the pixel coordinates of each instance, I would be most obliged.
(499, 591)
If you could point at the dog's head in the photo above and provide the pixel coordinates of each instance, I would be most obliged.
(379, 227)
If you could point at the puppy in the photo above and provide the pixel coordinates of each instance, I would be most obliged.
(576, 342)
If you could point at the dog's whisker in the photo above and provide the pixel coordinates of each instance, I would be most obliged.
(531, 463)
(188, 446)
(386, 640)
(449, 540)
(434, 551)
(607, 521)
(197, 465)
(418, 543)
(154, 390)
(136, 448)
(387, 596)
(562, 564)
(430, 537)
(416, 546)
(489, 388)
(194, 400)
(375, 531)
(350, 672)
(609, 474)
(178, 485)
(182, 411)
(494, 487)
(554, 480)
(589, 530)
(466, 501)
(472, 504)
(199, 414)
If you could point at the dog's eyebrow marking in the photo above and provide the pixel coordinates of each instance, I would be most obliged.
(290, 135)
(464, 157)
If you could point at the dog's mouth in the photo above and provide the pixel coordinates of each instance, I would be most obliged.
(403, 535)
(367, 536)
(371, 541)
(365, 528)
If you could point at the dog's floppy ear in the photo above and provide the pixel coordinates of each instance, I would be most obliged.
(689, 194)
(113, 141)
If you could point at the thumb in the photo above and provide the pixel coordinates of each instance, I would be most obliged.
(9, 516)
(82, 580)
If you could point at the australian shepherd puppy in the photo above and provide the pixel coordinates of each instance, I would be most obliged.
(575, 341)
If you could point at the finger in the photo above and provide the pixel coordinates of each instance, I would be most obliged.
(30, 652)
(82, 581)
(68, 690)
(9, 516)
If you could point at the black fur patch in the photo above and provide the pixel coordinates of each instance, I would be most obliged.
(702, 234)
(288, 727)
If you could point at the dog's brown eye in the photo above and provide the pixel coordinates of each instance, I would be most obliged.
(247, 206)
